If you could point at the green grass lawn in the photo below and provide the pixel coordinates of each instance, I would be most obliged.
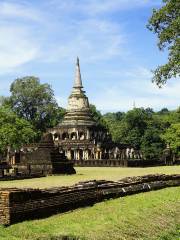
(87, 174)
(147, 216)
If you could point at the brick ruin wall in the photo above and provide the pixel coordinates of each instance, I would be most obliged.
(21, 204)
(119, 163)
(123, 163)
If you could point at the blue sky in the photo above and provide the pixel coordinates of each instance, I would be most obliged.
(43, 38)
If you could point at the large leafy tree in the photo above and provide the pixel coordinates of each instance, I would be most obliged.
(135, 125)
(151, 143)
(172, 137)
(34, 102)
(97, 116)
(115, 125)
(14, 131)
(165, 22)
(129, 128)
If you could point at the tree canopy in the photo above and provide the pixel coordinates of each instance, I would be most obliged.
(34, 102)
(172, 137)
(165, 22)
(31, 108)
(146, 130)
(14, 131)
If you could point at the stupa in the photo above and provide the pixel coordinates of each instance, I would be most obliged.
(79, 136)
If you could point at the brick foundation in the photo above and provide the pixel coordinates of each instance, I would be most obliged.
(22, 204)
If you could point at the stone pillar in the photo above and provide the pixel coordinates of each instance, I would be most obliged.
(87, 135)
(84, 154)
(69, 155)
(97, 155)
(77, 154)
(13, 159)
(87, 154)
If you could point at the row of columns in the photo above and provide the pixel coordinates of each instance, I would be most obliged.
(77, 135)
(87, 154)
(82, 154)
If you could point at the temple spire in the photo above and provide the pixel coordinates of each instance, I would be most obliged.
(78, 81)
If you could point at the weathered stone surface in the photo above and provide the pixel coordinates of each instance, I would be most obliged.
(21, 204)
(78, 135)
(118, 163)
(41, 159)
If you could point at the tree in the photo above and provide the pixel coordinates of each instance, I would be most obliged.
(97, 116)
(34, 102)
(14, 131)
(151, 143)
(130, 127)
(165, 22)
(113, 121)
(137, 118)
(163, 111)
(115, 116)
(172, 137)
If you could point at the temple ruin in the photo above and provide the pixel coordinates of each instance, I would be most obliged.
(80, 137)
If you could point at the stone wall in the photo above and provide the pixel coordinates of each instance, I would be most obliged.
(118, 163)
(21, 204)
(4, 207)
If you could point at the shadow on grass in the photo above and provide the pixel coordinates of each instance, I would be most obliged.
(61, 237)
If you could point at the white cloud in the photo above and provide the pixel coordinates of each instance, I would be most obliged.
(94, 7)
(139, 88)
(15, 10)
(18, 41)
(74, 28)
(16, 48)
(139, 72)
(90, 39)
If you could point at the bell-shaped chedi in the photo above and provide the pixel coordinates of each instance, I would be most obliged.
(79, 136)
(78, 111)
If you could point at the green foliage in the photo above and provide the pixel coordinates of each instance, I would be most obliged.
(152, 144)
(95, 113)
(142, 129)
(114, 116)
(130, 128)
(137, 118)
(165, 22)
(136, 123)
(97, 116)
(33, 108)
(2, 100)
(172, 137)
(58, 116)
(34, 102)
(113, 122)
(14, 131)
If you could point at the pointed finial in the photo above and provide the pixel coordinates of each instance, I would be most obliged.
(78, 81)
(77, 62)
